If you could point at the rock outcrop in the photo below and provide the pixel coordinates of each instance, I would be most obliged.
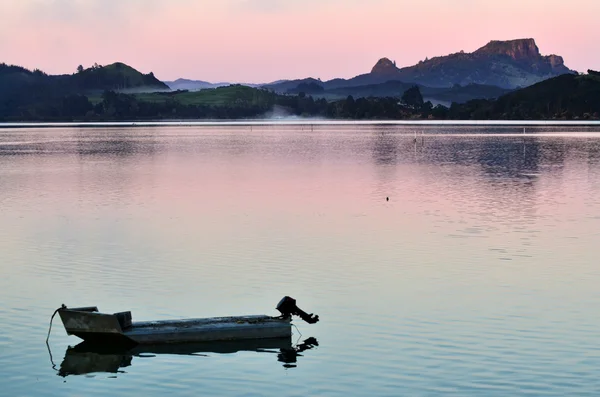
(522, 49)
(384, 66)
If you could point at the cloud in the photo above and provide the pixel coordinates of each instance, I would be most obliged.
(274, 6)
(209, 39)
(78, 11)
(263, 5)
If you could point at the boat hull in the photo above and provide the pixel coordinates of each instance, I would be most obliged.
(101, 328)
(209, 329)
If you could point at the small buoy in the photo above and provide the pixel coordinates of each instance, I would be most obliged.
(387, 199)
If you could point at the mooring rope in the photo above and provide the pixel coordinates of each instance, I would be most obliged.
(52, 318)
(48, 337)
(297, 330)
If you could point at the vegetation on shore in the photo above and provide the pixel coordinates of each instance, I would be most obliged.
(232, 102)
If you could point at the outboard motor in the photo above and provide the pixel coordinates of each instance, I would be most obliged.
(287, 307)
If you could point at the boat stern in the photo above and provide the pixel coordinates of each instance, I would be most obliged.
(91, 326)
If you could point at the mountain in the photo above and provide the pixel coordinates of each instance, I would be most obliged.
(192, 85)
(507, 64)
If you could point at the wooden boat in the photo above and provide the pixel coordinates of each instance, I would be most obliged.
(118, 329)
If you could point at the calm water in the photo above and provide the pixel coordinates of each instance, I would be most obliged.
(479, 276)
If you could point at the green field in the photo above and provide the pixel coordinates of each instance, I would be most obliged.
(222, 96)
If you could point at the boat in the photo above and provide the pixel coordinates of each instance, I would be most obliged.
(87, 358)
(117, 329)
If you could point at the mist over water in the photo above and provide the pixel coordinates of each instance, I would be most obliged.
(478, 277)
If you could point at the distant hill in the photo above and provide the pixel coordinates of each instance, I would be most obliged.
(192, 85)
(117, 77)
(393, 88)
(285, 86)
(16, 81)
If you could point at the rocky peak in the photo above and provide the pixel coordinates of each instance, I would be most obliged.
(384, 66)
(556, 61)
(516, 49)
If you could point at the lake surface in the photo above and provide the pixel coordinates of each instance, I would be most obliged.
(479, 276)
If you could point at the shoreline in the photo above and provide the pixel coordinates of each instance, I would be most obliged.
(309, 123)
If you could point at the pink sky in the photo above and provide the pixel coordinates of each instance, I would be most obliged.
(266, 40)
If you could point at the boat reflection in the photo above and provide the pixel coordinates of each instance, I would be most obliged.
(86, 358)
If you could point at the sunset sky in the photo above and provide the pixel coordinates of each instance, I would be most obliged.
(264, 40)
